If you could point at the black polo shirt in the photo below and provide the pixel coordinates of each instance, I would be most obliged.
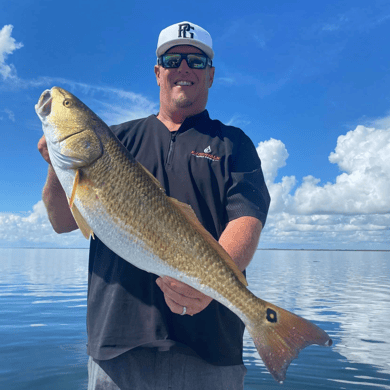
(215, 169)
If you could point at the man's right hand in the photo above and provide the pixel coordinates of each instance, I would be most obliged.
(42, 147)
(54, 197)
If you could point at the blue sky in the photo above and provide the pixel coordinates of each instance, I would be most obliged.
(308, 81)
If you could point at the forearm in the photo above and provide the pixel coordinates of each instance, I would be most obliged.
(240, 239)
(56, 204)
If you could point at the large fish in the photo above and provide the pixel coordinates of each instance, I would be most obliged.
(113, 195)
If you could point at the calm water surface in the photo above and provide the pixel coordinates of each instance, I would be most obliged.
(43, 310)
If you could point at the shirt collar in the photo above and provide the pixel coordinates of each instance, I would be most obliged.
(194, 121)
(191, 122)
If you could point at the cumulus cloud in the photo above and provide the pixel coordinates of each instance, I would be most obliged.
(7, 46)
(355, 209)
(364, 157)
(34, 229)
(273, 154)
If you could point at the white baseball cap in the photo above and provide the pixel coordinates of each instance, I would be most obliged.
(185, 33)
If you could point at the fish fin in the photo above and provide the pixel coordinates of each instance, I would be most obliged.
(279, 335)
(191, 217)
(155, 181)
(75, 184)
(82, 223)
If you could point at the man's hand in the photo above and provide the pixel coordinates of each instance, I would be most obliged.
(54, 197)
(42, 147)
(178, 295)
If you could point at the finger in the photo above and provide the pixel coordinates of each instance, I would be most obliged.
(173, 306)
(42, 147)
(176, 297)
(199, 300)
(176, 301)
(176, 308)
(182, 288)
(192, 309)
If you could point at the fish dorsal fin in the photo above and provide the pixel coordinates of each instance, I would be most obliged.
(81, 222)
(191, 217)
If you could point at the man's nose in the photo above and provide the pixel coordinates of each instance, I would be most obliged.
(184, 66)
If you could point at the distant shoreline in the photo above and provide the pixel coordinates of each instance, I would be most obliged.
(325, 250)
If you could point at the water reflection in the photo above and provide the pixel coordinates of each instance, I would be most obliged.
(346, 293)
(42, 318)
(43, 269)
(43, 307)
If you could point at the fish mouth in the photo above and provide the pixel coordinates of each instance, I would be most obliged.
(43, 108)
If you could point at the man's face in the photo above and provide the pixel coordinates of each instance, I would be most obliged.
(183, 88)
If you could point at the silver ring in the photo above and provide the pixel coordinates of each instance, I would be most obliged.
(184, 311)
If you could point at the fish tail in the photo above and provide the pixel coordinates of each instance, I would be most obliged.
(279, 336)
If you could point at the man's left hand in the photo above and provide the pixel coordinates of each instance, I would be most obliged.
(179, 295)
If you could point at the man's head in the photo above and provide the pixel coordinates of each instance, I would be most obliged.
(184, 78)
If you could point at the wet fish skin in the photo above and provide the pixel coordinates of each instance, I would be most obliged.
(112, 195)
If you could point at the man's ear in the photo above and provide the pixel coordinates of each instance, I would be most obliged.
(157, 73)
(211, 74)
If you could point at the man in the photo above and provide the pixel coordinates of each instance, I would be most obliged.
(155, 332)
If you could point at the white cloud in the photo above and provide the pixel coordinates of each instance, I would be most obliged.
(364, 157)
(381, 123)
(113, 105)
(238, 121)
(11, 115)
(34, 229)
(226, 80)
(354, 210)
(7, 46)
(273, 154)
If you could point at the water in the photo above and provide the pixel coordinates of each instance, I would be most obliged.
(43, 309)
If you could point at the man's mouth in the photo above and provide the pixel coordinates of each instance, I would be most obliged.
(183, 83)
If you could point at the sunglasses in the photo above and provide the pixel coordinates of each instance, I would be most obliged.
(194, 61)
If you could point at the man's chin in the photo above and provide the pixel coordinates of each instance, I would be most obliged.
(183, 102)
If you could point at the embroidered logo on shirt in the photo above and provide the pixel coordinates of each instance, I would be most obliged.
(205, 155)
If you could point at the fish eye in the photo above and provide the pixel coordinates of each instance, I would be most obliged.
(67, 103)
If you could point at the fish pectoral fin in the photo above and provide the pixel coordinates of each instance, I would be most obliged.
(81, 223)
(191, 217)
(75, 184)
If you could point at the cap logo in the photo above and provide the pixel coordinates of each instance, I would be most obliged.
(183, 29)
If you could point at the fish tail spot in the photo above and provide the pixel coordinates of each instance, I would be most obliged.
(271, 315)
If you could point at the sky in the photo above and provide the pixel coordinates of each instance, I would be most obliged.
(307, 81)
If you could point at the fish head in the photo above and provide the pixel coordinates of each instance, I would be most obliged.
(71, 129)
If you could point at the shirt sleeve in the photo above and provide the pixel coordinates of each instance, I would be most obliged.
(247, 193)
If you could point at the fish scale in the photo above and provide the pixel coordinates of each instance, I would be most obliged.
(112, 195)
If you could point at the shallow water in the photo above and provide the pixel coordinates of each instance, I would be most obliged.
(43, 309)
